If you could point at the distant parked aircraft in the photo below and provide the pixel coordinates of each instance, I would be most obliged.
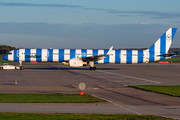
(83, 57)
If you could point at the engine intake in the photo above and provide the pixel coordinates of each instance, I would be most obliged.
(76, 62)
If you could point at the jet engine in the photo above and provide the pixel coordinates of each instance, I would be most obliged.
(76, 62)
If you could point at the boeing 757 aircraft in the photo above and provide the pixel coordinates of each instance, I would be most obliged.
(83, 57)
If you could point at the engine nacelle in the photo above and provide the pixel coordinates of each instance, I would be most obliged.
(76, 62)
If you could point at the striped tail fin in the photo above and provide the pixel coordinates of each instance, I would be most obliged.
(162, 45)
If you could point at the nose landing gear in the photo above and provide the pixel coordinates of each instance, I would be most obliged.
(21, 67)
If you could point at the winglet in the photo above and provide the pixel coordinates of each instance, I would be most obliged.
(109, 50)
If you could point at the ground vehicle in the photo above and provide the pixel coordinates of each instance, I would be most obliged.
(7, 66)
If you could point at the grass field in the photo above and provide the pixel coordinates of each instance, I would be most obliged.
(47, 98)
(62, 116)
(2, 60)
(168, 90)
(171, 60)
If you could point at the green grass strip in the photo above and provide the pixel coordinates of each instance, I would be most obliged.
(2, 60)
(168, 90)
(171, 60)
(59, 116)
(47, 98)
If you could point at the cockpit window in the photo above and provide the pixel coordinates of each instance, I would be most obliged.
(9, 53)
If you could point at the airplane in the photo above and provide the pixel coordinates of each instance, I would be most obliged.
(84, 57)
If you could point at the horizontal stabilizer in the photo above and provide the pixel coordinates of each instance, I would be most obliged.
(166, 55)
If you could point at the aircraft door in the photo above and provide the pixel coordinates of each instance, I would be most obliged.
(146, 57)
(123, 56)
(47, 53)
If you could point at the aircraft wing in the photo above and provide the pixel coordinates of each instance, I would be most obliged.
(96, 58)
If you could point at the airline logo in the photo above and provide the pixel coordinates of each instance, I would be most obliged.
(32, 56)
(168, 37)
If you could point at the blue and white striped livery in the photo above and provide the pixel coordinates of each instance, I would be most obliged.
(83, 57)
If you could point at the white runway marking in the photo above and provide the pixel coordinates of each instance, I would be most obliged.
(117, 105)
(130, 77)
(168, 117)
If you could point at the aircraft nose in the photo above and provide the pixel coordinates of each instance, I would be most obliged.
(5, 57)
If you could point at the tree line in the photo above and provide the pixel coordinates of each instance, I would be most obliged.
(4, 49)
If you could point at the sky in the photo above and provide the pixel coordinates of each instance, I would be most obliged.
(87, 23)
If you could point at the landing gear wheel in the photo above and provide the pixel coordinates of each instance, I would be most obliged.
(92, 68)
(22, 67)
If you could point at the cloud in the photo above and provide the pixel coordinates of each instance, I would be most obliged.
(150, 14)
(140, 22)
(125, 15)
(38, 5)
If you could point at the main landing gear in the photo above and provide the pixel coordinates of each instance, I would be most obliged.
(91, 63)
